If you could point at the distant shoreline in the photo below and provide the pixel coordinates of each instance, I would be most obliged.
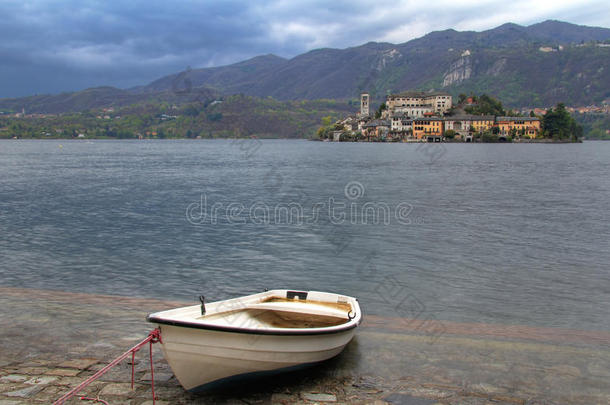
(529, 141)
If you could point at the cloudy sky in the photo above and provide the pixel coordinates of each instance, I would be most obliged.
(52, 46)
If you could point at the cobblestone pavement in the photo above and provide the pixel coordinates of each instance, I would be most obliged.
(51, 341)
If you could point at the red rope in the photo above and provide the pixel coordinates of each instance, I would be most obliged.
(133, 367)
(153, 337)
(152, 374)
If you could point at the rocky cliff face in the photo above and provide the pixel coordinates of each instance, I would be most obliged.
(460, 70)
(387, 57)
(497, 67)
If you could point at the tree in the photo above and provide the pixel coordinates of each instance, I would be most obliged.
(190, 110)
(486, 105)
(488, 137)
(557, 123)
(217, 116)
(381, 109)
(323, 133)
(461, 98)
(450, 134)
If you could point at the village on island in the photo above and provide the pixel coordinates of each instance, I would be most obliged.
(415, 116)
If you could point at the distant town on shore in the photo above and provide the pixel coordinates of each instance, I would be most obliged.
(415, 116)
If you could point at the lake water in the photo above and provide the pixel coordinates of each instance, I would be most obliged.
(491, 233)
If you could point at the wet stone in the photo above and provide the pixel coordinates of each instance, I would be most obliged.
(117, 374)
(159, 377)
(37, 363)
(566, 370)
(473, 401)
(117, 389)
(316, 397)
(282, 399)
(52, 392)
(431, 393)
(33, 370)
(81, 364)
(145, 366)
(123, 402)
(42, 380)
(508, 400)
(443, 387)
(497, 367)
(405, 399)
(91, 390)
(9, 387)
(165, 393)
(64, 372)
(15, 378)
(598, 370)
(229, 401)
(97, 367)
(487, 389)
(26, 392)
(368, 385)
(102, 344)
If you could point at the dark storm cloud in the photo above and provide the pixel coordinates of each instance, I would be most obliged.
(52, 46)
(72, 44)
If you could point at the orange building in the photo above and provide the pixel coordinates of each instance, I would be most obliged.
(424, 128)
(529, 126)
(482, 123)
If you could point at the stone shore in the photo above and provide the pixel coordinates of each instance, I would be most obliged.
(52, 341)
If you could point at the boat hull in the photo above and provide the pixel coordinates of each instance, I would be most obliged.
(199, 356)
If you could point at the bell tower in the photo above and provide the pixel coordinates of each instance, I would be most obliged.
(364, 104)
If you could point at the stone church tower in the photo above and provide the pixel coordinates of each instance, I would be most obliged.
(364, 104)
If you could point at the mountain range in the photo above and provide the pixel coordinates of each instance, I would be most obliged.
(536, 65)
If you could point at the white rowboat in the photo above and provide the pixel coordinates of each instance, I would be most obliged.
(272, 330)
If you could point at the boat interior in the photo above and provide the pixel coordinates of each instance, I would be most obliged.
(268, 318)
(277, 312)
(283, 309)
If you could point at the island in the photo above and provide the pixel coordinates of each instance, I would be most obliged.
(417, 116)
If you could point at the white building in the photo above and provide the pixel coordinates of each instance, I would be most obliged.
(416, 104)
(401, 123)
